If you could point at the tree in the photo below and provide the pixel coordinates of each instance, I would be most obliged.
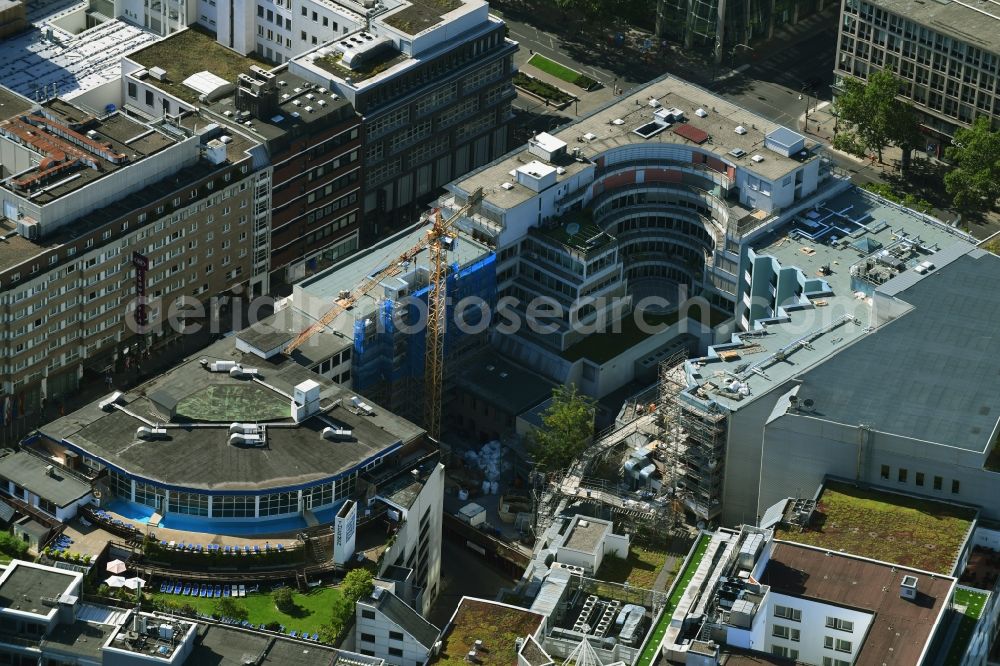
(12, 546)
(878, 118)
(227, 607)
(356, 584)
(283, 599)
(567, 428)
(975, 156)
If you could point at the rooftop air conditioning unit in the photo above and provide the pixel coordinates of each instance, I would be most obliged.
(740, 129)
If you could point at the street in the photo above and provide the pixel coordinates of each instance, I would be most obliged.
(792, 71)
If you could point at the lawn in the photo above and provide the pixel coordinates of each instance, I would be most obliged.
(561, 71)
(497, 626)
(680, 586)
(973, 602)
(602, 347)
(923, 534)
(190, 51)
(640, 569)
(313, 610)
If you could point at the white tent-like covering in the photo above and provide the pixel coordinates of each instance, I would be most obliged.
(208, 85)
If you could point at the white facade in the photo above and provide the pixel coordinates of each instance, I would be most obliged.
(379, 635)
(418, 542)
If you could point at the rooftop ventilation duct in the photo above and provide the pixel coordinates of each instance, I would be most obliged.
(362, 406)
(111, 400)
(147, 433)
(218, 366)
(337, 434)
(240, 372)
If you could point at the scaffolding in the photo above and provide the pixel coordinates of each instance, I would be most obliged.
(694, 438)
(389, 346)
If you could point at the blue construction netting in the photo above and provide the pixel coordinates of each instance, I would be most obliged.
(377, 356)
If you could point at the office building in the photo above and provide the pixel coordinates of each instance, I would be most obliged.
(310, 145)
(654, 195)
(837, 297)
(945, 53)
(434, 105)
(98, 210)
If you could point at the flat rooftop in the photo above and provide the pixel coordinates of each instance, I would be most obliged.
(506, 385)
(29, 471)
(229, 646)
(81, 639)
(421, 14)
(25, 588)
(15, 249)
(29, 62)
(973, 21)
(613, 125)
(291, 114)
(882, 225)
(11, 103)
(201, 457)
(931, 374)
(585, 535)
(900, 630)
(889, 527)
(129, 140)
(191, 51)
(315, 295)
(497, 625)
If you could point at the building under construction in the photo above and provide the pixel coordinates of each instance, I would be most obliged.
(377, 347)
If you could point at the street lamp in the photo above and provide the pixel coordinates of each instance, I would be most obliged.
(807, 98)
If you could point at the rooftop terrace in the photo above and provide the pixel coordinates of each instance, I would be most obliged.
(497, 625)
(899, 529)
(189, 52)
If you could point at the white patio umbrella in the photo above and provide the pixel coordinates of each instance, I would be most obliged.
(134, 583)
(116, 567)
(115, 581)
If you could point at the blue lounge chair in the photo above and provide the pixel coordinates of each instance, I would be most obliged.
(187, 589)
(163, 587)
(294, 634)
(226, 591)
(203, 591)
(163, 544)
(246, 550)
(256, 550)
(226, 551)
(280, 547)
(315, 637)
(218, 590)
(281, 629)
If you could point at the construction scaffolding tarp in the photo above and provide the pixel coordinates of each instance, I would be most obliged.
(389, 345)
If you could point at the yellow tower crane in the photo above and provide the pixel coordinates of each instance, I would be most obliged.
(438, 237)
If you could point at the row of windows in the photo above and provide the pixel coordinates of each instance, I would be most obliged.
(231, 506)
(903, 476)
